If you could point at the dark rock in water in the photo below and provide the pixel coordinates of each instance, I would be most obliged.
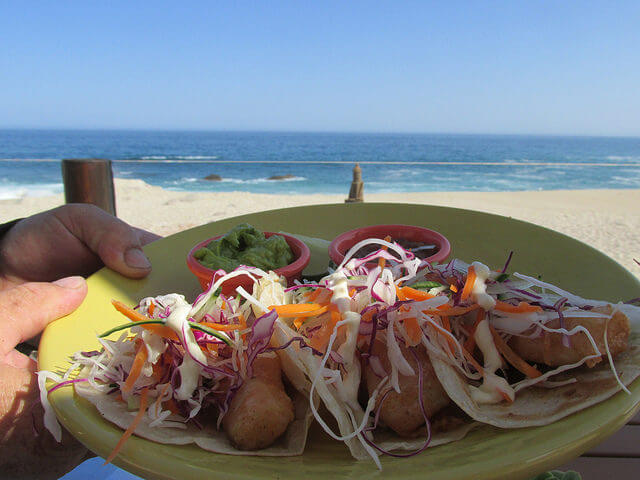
(213, 177)
(281, 177)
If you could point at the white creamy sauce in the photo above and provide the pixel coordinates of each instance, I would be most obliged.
(337, 283)
(516, 323)
(489, 391)
(492, 384)
(155, 346)
(479, 290)
(484, 340)
(348, 388)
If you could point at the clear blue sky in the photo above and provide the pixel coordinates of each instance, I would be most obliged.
(564, 67)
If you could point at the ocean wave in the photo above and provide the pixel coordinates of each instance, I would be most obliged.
(627, 181)
(253, 181)
(14, 192)
(628, 158)
(35, 160)
(525, 161)
(176, 157)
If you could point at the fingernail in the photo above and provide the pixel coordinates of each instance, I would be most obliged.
(135, 258)
(70, 282)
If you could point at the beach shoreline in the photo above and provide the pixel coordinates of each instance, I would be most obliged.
(607, 220)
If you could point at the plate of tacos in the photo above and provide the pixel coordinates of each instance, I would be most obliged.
(517, 353)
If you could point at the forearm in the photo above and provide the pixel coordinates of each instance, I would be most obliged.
(27, 449)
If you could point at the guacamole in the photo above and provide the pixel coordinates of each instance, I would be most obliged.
(245, 245)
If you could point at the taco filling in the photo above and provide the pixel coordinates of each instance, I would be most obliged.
(405, 354)
(389, 354)
(203, 373)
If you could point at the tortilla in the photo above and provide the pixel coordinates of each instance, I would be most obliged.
(537, 406)
(291, 443)
(390, 441)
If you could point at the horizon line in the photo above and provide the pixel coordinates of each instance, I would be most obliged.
(312, 132)
(340, 162)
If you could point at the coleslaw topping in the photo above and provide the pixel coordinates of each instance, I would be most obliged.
(190, 356)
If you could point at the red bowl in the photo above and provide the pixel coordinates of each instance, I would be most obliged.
(291, 272)
(343, 242)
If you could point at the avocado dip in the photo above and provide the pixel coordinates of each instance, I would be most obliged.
(245, 245)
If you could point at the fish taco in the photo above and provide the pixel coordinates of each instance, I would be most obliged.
(544, 353)
(202, 373)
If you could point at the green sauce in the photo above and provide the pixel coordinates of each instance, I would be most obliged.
(245, 245)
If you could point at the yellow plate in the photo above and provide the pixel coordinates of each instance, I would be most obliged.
(485, 453)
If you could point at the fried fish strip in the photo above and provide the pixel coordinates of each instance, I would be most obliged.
(261, 410)
(401, 411)
(549, 349)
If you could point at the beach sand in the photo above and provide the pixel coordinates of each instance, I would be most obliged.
(605, 219)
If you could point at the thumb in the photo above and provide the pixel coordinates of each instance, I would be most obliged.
(117, 244)
(28, 308)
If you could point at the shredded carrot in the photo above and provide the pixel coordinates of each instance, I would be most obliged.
(136, 316)
(367, 316)
(312, 296)
(512, 357)
(414, 332)
(320, 339)
(453, 288)
(414, 294)
(299, 309)
(470, 344)
(472, 361)
(132, 427)
(128, 312)
(323, 297)
(162, 330)
(381, 261)
(136, 368)
(522, 307)
(223, 327)
(447, 326)
(468, 285)
(401, 296)
(152, 308)
(298, 321)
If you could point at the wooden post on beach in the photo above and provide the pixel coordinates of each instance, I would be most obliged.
(89, 180)
(356, 193)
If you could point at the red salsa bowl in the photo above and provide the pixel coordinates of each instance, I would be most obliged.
(292, 271)
(408, 236)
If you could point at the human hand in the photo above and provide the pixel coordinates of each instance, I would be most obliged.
(75, 239)
(27, 450)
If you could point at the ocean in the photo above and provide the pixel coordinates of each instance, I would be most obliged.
(321, 162)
